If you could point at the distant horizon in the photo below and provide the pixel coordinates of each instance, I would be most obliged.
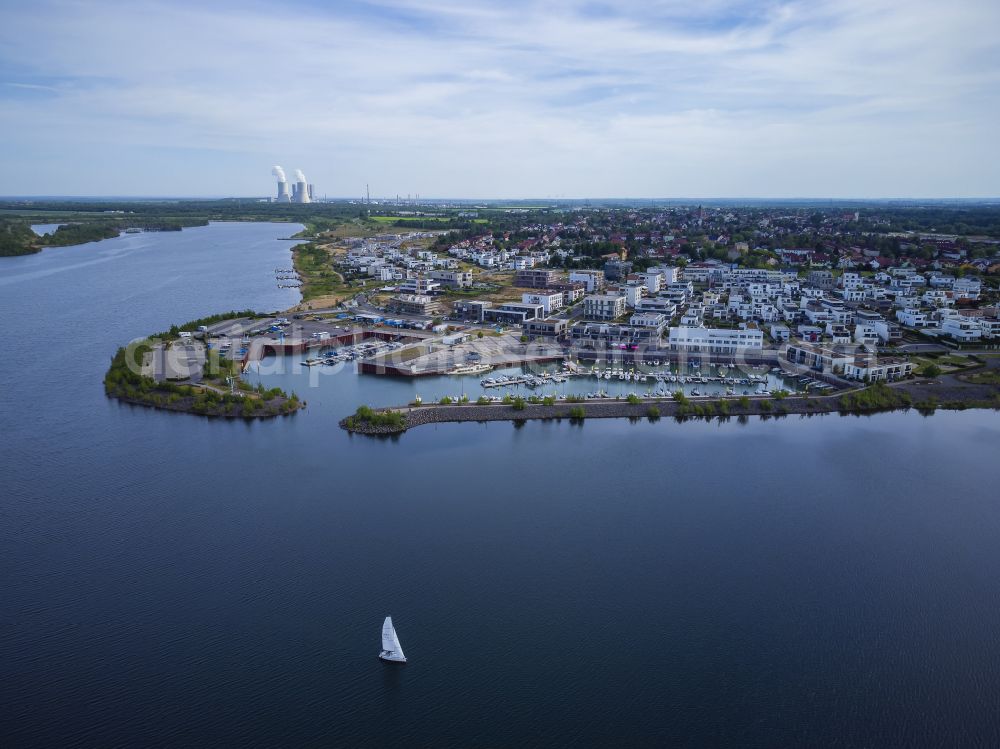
(423, 200)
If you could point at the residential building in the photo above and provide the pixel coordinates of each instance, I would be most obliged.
(634, 294)
(715, 340)
(471, 309)
(455, 279)
(603, 306)
(649, 320)
(912, 318)
(547, 328)
(418, 286)
(617, 270)
(535, 278)
(593, 280)
(821, 358)
(513, 313)
(962, 329)
(550, 300)
(571, 290)
(658, 304)
(872, 368)
(589, 333)
(821, 279)
(414, 304)
(670, 274)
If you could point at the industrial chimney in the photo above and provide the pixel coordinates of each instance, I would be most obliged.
(311, 194)
(301, 187)
(278, 172)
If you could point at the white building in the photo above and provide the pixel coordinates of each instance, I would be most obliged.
(966, 288)
(874, 368)
(716, 340)
(634, 294)
(603, 306)
(652, 281)
(550, 300)
(593, 280)
(780, 333)
(419, 286)
(669, 273)
(912, 318)
(658, 304)
(962, 329)
(649, 320)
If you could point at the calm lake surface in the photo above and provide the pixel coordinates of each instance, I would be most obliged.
(170, 580)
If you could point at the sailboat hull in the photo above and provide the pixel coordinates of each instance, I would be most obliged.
(389, 657)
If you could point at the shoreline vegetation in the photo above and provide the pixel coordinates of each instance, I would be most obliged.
(875, 398)
(17, 238)
(211, 396)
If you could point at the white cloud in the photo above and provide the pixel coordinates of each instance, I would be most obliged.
(473, 98)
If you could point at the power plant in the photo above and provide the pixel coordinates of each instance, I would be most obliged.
(302, 191)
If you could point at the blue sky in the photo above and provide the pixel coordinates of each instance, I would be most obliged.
(462, 98)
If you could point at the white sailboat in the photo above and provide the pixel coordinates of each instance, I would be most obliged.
(391, 649)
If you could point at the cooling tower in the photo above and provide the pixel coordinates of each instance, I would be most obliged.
(283, 192)
(301, 192)
(311, 194)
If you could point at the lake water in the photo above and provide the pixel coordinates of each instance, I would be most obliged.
(170, 580)
(44, 229)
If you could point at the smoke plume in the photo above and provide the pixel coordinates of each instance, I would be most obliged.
(278, 172)
(299, 176)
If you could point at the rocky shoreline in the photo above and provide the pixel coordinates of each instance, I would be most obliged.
(900, 397)
(279, 407)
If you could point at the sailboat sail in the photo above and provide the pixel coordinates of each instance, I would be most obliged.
(391, 650)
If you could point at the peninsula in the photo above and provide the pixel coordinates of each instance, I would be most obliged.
(669, 309)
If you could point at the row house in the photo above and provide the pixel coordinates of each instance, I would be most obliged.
(872, 368)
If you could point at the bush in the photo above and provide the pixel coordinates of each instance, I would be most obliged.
(483, 400)
(930, 370)
(366, 415)
(446, 401)
(877, 397)
(765, 405)
(518, 404)
(744, 402)
(634, 399)
(549, 400)
(577, 413)
(681, 398)
(653, 413)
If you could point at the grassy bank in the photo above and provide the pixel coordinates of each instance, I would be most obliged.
(210, 397)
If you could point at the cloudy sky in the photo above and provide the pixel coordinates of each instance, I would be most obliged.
(468, 98)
